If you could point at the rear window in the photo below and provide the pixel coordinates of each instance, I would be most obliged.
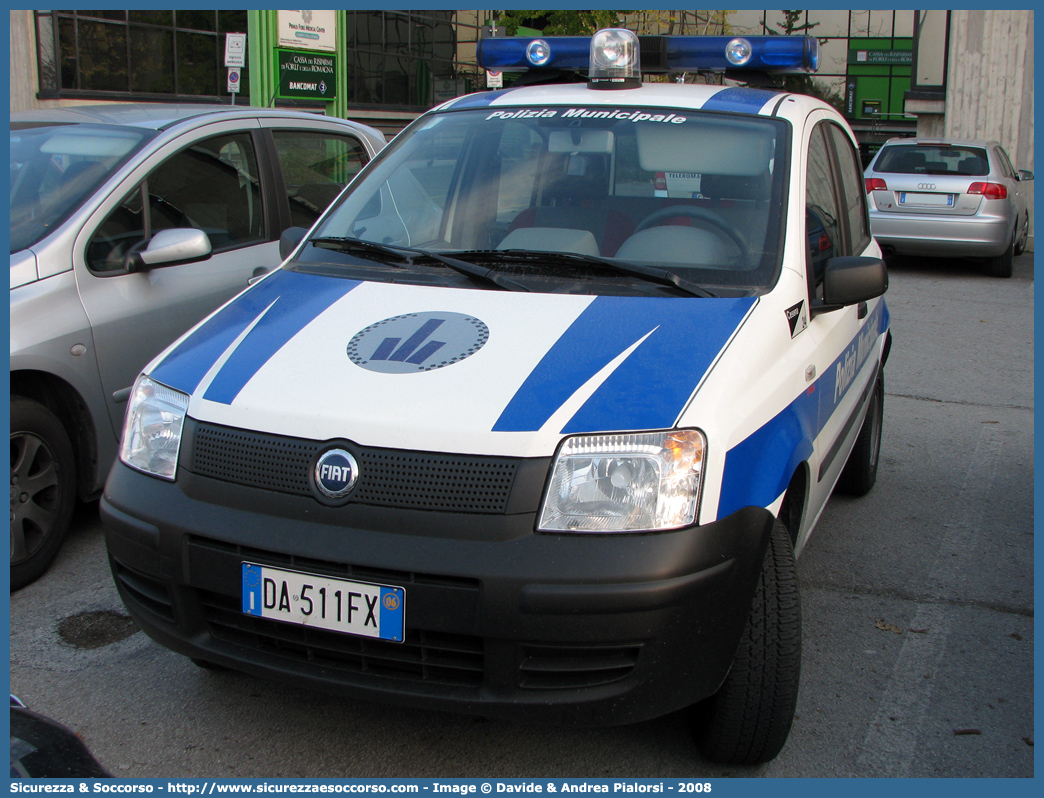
(932, 159)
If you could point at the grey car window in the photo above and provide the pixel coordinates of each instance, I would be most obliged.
(316, 166)
(932, 159)
(55, 168)
(1006, 167)
(211, 186)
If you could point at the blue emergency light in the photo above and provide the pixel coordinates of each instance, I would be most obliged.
(612, 57)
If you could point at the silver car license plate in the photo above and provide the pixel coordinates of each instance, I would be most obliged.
(925, 199)
(340, 605)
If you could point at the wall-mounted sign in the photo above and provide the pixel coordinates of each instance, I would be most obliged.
(233, 80)
(308, 30)
(307, 75)
(881, 57)
(235, 49)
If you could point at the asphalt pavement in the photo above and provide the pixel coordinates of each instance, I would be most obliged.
(918, 612)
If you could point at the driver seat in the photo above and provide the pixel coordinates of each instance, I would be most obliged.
(676, 244)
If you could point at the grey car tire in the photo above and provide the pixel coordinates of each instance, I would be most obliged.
(1023, 240)
(747, 721)
(43, 489)
(1002, 265)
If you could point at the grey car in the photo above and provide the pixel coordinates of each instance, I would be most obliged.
(129, 223)
(953, 197)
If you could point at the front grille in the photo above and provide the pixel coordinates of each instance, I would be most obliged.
(429, 657)
(563, 667)
(247, 458)
(387, 477)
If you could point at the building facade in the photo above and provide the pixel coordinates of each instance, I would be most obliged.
(385, 67)
(959, 73)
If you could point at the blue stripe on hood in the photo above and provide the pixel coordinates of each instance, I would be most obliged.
(740, 100)
(480, 100)
(651, 387)
(298, 298)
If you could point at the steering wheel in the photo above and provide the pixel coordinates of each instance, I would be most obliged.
(702, 215)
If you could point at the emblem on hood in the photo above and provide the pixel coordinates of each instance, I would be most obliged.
(417, 342)
(336, 472)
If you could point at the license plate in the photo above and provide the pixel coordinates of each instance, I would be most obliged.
(355, 608)
(926, 199)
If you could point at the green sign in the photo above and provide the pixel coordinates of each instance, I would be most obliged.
(309, 76)
(881, 57)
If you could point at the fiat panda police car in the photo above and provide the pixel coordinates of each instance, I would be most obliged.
(513, 431)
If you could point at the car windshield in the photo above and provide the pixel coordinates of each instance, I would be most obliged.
(597, 190)
(932, 159)
(54, 168)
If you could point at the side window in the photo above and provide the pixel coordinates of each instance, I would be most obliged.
(316, 166)
(856, 214)
(1005, 163)
(822, 211)
(211, 186)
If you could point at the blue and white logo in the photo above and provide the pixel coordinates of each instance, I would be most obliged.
(417, 342)
(336, 472)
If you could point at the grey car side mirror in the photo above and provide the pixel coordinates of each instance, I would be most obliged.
(168, 247)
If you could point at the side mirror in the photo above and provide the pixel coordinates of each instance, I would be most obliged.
(1025, 174)
(169, 247)
(288, 241)
(851, 280)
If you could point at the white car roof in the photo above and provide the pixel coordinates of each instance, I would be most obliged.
(739, 99)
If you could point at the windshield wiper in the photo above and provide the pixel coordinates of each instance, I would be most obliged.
(651, 273)
(368, 248)
(403, 255)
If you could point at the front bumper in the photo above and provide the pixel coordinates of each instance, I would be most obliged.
(500, 621)
(955, 236)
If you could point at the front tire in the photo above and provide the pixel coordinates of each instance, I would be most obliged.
(860, 472)
(747, 721)
(43, 489)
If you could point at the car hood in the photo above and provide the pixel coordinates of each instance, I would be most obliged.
(445, 369)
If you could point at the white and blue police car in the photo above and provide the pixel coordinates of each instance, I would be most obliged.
(516, 431)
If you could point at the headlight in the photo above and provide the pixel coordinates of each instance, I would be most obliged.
(625, 483)
(152, 431)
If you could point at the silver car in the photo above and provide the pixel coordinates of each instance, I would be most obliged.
(958, 197)
(129, 223)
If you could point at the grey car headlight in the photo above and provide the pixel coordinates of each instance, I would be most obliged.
(152, 430)
(631, 482)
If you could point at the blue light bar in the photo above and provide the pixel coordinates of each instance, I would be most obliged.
(509, 54)
(766, 53)
(683, 53)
